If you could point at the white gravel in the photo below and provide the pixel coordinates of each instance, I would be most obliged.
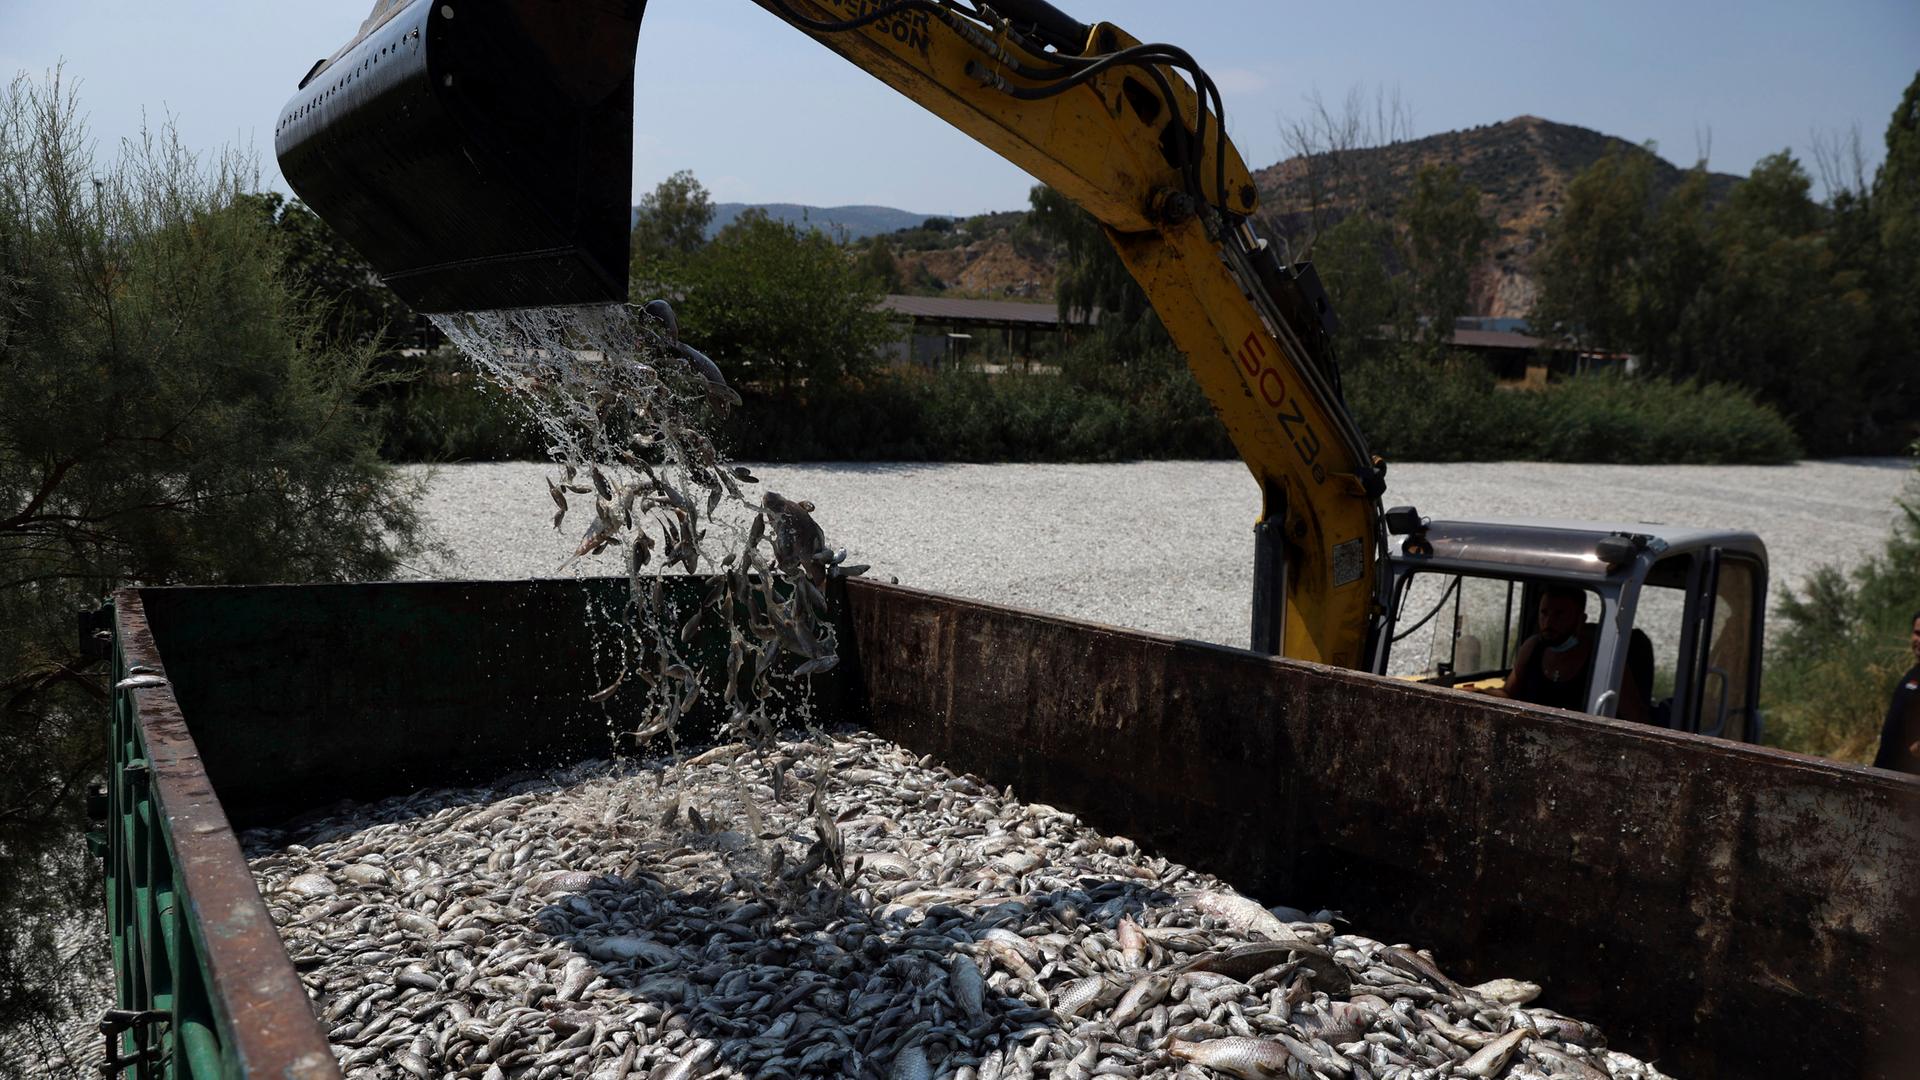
(1167, 546)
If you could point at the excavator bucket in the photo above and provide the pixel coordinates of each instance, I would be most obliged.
(477, 152)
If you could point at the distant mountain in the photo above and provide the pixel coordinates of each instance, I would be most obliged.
(858, 222)
(1521, 166)
(850, 222)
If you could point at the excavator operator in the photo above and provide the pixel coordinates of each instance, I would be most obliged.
(1554, 667)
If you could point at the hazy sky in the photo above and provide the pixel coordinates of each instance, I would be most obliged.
(762, 114)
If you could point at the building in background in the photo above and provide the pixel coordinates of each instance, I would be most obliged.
(1519, 359)
(937, 331)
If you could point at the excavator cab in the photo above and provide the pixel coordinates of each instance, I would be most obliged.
(1677, 614)
(477, 152)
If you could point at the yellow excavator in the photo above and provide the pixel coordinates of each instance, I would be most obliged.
(478, 153)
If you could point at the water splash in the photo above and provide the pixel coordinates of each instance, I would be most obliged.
(623, 406)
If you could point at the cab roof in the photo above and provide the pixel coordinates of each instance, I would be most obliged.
(1569, 546)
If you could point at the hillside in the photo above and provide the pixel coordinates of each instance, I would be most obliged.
(848, 222)
(1521, 166)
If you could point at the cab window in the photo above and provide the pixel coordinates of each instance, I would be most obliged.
(1455, 628)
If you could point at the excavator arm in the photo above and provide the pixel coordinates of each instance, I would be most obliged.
(479, 170)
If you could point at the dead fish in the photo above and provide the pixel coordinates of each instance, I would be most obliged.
(311, 886)
(1508, 991)
(662, 312)
(1245, 961)
(1133, 944)
(888, 908)
(1249, 1059)
(608, 691)
(1242, 914)
(1085, 995)
(1490, 1059)
(718, 391)
(139, 682)
(630, 947)
(817, 666)
(969, 989)
(910, 1064)
(1146, 992)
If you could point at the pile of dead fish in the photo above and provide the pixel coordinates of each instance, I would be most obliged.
(623, 405)
(835, 907)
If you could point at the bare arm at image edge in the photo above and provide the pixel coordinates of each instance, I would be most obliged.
(1900, 736)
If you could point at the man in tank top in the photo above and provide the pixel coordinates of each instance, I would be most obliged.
(1554, 667)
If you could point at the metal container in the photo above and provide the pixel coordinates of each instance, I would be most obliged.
(1726, 910)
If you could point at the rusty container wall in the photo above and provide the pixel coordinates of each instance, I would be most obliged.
(1728, 910)
(305, 695)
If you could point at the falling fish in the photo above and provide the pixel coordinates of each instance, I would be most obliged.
(607, 692)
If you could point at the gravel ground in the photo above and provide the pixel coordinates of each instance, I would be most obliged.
(1168, 546)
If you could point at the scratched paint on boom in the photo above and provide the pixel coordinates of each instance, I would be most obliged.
(910, 28)
(899, 922)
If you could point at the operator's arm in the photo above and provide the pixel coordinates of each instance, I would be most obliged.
(1521, 658)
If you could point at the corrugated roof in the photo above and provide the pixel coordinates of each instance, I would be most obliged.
(959, 310)
(1494, 339)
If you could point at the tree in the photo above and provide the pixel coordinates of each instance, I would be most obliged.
(1895, 264)
(1090, 277)
(1590, 265)
(778, 307)
(168, 414)
(672, 223)
(1336, 175)
(1446, 234)
(328, 275)
(1355, 259)
(878, 263)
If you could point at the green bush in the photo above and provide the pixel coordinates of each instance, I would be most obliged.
(443, 412)
(1150, 409)
(912, 415)
(1830, 673)
(1413, 410)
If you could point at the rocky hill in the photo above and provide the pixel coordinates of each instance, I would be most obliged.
(1521, 166)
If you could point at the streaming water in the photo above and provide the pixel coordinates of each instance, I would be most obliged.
(624, 407)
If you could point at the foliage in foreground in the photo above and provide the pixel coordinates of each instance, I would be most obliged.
(1830, 675)
(167, 415)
